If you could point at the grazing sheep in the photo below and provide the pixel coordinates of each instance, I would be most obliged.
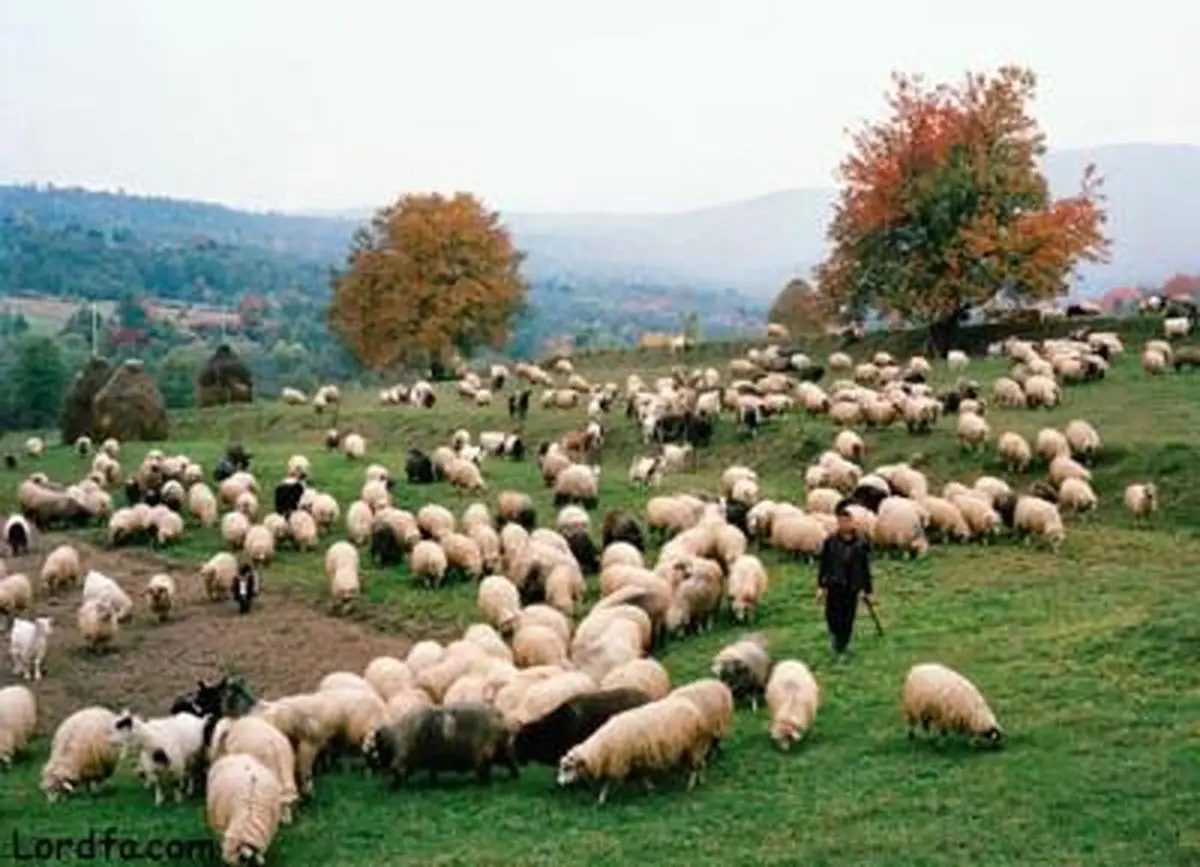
(1141, 499)
(715, 702)
(244, 804)
(218, 575)
(427, 562)
(260, 544)
(97, 620)
(939, 697)
(354, 447)
(792, 696)
(748, 581)
(259, 738)
(973, 430)
(27, 646)
(1033, 515)
(547, 739)
(18, 719)
(655, 737)
(1082, 440)
(1076, 495)
(16, 594)
(468, 736)
(578, 483)
(744, 667)
(1014, 451)
(82, 752)
(99, 586)
(648, 676)
(169, 748)
(62, 568)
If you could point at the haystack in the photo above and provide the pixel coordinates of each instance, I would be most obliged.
(76, 419)
(224, 379)
(129, 406)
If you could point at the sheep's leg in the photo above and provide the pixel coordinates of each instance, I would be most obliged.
(603, 795)
(158, 794)
(37, 669)
(693, 778)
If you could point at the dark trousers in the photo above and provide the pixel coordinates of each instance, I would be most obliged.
(841, 606)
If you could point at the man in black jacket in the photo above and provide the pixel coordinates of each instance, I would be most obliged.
(843, 572)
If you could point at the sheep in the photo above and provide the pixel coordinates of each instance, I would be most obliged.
(900, 527)
(1065, 467)
(260, 544)
(63, 567)
(1042, 391)
(1035, 515)
(18, 719)
(388, 676)
(462, 556)
(257, 737)
(435, 521)
(1141, 499)
(97, 621)
(499, 602)
(792, 697)
(464, 475)
(427, 561)
(27, 646)
(547, 739)
(798, 534)
(354, 447)
(694, 605)
(218, 575)
(1082, 440)
(957, 360)
(18, 535)
(747, 583)
(534, 645)
(99, 586)
(715, 702)
(744, 667)
(578, 483)
(849, 445)
(82, 752)
(16, 594)
(938, 697)
(515, 507)
(648, 676)
(234, 528)
(244, 803)
(468, 736)
(1173, 327)
(946, 520)
(659, 736)
(1014, 451)
(973, 430)
(1076, 495)
(168, 750)
(301, 527)
(160, 595)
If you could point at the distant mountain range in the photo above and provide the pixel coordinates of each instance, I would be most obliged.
(752, 246)
(755, 245)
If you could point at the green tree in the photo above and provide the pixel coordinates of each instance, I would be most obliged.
(176, 379)
(36, 382)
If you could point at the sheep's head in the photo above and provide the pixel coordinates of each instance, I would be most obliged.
(993, 736)
(784, 733)
(571, 768)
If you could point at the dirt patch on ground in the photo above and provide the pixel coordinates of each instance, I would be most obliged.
(284, 645)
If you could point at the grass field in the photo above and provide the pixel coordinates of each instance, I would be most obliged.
(1089, 659)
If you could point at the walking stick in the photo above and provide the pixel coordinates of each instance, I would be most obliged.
(874, 615)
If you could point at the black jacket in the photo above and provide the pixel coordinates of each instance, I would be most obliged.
(845, 565)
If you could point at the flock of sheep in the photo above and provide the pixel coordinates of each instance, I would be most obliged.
(540, 678)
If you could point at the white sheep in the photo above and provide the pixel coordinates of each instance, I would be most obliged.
(16, 594)
(744, 667)
(1014, 451)
(499, 602)
(1076, 495)
(1176, 326)
(234, 527)
(218, 575)
(748, 581)
(427, 561)
(792, 697)
(160, 595)
(957, 360)
(97, 621)
(168, 749)
(973, 430)
(301, 527)
(62, 567)
(1033, 515)
(82, 752)
(259, 738)
(98, 586)
(260, 544)
(354, 447)
(1141, 499)
(940, 698)
(244, 803)
(18, 719)
(1082, 439)
(359, 519)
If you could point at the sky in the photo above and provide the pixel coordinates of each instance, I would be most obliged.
(538, 105)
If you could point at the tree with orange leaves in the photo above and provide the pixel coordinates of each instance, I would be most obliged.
(429, 275)
(798, 308)
(943, 208)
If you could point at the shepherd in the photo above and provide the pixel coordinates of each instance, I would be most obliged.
(843, 572)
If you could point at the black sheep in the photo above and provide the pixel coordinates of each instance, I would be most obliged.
(238, 457)
(547, 740)
(514, 448)
(332, 440)
(287, 496)
(737, 514)
(17, 534)
(223, 470)
(914, 377)
(512, 406)
(869, 497)
(245, 587)
(468, 736)
(386, 548)
(951, 400)
(621, 526)
(815, 373)
(584, 550)
(10, 462)
(418, 468)
(523, 405)
(133, 492)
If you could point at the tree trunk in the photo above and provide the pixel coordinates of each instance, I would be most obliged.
(943, 332)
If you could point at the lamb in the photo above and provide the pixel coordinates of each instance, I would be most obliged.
(97, 620)
(27, 646)
(793, 697)
(1014, 451)
(744, 667)
(100, 587)
(18, 535)
(62, 568)
(160, 595)
(747, 583)
(18, 719)
(939, 697)
(82, 752)
(218, 575)
(547, 739)
(168, 750)
(1141, 499)
(257, 737)
(655, 737)
(957, 360)
(16, 594)
(244, 803)
(468, 736)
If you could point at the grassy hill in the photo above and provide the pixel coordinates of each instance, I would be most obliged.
(1087, 657)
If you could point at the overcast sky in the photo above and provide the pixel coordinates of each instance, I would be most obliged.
(560, 105)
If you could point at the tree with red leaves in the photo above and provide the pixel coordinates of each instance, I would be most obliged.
(943, 208)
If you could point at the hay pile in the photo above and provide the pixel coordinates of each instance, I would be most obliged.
(76, 418)
(224, 379)
(129, 406)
